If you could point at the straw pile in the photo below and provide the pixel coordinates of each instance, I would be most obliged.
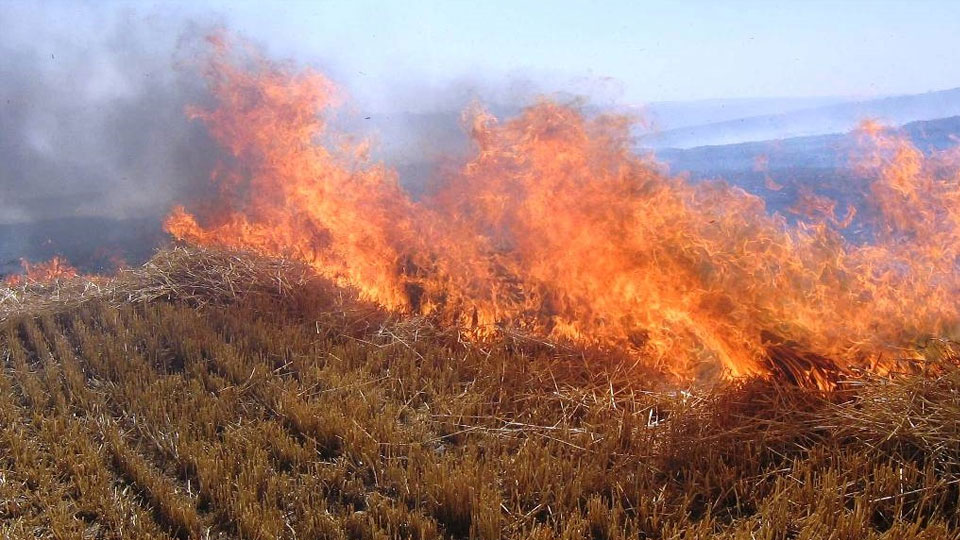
(190, 274)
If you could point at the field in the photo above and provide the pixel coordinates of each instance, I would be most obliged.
(180, 406)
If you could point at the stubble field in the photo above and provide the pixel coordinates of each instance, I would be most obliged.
(304, 414)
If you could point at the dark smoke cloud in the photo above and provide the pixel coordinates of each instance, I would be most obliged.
(92, 119)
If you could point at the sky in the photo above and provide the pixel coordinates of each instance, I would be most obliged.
(633, 51)
(626, 52)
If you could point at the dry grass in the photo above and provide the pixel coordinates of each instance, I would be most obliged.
(216, 395)
(183, 273)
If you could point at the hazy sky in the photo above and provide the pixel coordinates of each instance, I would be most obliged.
(630, 52)
(636, 51)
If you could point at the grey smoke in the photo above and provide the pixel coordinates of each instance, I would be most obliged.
(93, 122)
(92, 119)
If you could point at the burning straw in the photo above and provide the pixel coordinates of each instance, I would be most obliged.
(198, 276)
(209, 276)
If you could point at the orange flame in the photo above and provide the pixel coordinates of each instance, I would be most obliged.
(43, 272)
(555, 226)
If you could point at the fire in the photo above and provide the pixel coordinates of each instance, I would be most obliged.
(44, 272)
(555, 226)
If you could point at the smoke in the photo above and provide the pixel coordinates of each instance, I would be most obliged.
(93, 99)
(417, 126)
(92, 113)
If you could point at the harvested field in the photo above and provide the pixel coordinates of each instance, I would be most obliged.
(210, 395)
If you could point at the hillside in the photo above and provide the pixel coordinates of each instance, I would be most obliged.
(671, 115)
(831, 118)
(217, 395)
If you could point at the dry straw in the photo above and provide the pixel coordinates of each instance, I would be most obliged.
(285, 408)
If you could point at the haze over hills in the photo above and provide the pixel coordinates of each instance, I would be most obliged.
(830, 118)
(830, 151)
(672, 115)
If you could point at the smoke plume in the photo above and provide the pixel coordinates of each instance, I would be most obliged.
(92, 114)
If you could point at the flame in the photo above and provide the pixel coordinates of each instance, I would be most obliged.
(55, 269)
(555, 226)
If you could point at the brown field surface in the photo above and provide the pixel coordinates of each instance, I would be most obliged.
(172, 404)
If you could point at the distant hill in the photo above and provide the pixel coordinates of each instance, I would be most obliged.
(819, 151)
(673, 115)
(834, 118)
